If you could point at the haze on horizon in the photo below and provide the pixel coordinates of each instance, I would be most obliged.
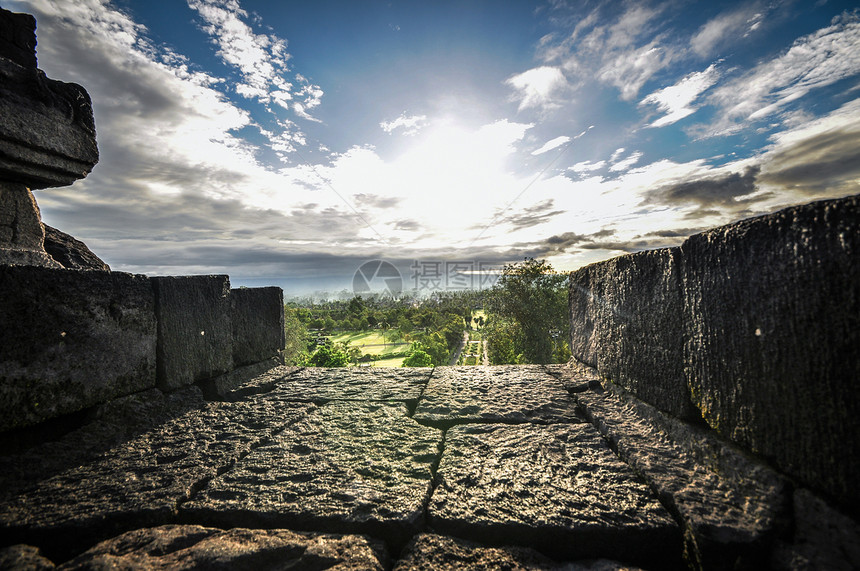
(289, 143)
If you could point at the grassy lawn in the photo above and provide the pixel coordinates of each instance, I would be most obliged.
(371, 342)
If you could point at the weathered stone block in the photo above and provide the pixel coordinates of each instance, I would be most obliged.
(525, 393)
(627, 321)
(440, 553)
(730, 507)
(70, 252)
(140, 482)
(195, 335)
(349, 467)
(18, 38)
(47, 132)
(196, 547)
(771, 320)
(21, 234)
(557, 488)
(71, 340)
(321, 385)
(258, 323)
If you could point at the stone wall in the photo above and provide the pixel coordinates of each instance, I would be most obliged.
(753, 327)
(72, 340)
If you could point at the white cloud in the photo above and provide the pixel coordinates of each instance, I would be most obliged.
(260, 58)
(729, 25)
(625, 53)
(538, 86)
(624, 164)
(552, 144)
(587, 166)
(813, 61)
(411, 124)
(676, 100)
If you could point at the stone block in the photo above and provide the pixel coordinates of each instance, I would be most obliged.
(195, 335)
(557, 488)
(70, 252)
(47, 132)
(440, 553)
(22, 236)
(627, 321)
(730, 507)
(140, 482)
(349, 467)
(71, 340)
(196, 547)
(525, 393)
(258, 323)
(772, 322)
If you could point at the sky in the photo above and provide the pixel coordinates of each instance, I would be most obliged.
(289, 143)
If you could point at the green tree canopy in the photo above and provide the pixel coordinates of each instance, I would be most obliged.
(530, 316)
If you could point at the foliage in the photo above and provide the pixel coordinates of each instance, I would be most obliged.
(528, 320)
(296, 337)
(418, 357)
(329, 355)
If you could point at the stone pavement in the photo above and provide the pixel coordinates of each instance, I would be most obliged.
(516, 467)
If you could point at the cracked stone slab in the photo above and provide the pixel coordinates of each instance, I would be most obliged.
(142, 481)
(196, 547)
(320, 385)
(731, 507)
(348, 467)
(507, 394)
(557, 488)
(440, 553)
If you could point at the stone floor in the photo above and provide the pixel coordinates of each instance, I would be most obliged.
(525, 467)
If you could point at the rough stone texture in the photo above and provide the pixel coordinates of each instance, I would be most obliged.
(347, 468)
(731, 508)
(227, 384)
(195, 547)
(71, 340)
(24, 557)
(258, 323)
(112, 425)
(321, 385)
(772, 313)
(47, 132)
(555, 487)
(439, 553)
(456, 395)
(70, 252)
(21, 233)
(140, 482)
(627, 321)
(18, 38)
(195, 336)
(823, 538)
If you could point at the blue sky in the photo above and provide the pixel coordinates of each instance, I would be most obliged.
(286, 143)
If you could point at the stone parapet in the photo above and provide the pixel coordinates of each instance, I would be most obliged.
(74, 339)
(195, 335)
(71, 340)
(258, 323)
(752, 326)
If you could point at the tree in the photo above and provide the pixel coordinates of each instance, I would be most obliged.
(418, 357)
(329, 355)
(529, 307)
(296, 337)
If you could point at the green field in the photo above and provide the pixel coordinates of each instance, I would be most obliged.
(371, 342)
